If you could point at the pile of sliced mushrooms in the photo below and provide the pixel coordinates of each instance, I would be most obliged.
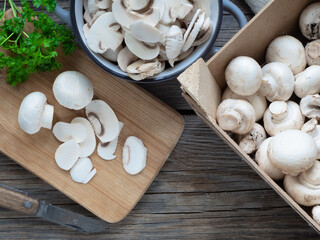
(74, 90)
(142, 35)
(284, 136)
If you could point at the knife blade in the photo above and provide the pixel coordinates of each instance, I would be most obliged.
(19, 201)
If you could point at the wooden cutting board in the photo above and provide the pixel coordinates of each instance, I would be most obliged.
(112, 193)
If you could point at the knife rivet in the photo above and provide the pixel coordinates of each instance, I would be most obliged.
(28, 204)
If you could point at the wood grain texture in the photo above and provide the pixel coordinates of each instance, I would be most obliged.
(204, 190)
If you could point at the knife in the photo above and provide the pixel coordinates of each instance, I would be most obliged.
(19, 201)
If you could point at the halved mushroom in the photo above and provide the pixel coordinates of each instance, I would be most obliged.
(103, 120)
(144, 32)
(140, 69)
(134, 155)
(174, 42)
(193, 30)
(67, 154)
(125, 58)
(151, 14)
(89, 144)
(67, 131)
(81, 170)
(102, 36)
(142, 50)
(176, 9)
(106, 150)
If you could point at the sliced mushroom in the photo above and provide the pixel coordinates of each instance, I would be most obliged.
(309, 125)
(67, 131)
(193, 30)
(92, 6)
(163, 29)
(176, 9)
(106, 150)
(313, 53)
(140, 69)
(125, 58)
(151, 14)
(86, 29)
(174, 43)
(204, 5)
(142, 50)
(252, 140)
(136, 4)
(81, 169)
(112, 55)
(67, 154)
(205, 32)
(102, 36)
(95, 17)
(103, 120)
(134, 155)
(89, 144)
(181, 57)
(144, 32)
(310, 106)
(104, 4)
(90, 176)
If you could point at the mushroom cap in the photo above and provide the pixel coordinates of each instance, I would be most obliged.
(310, 105)
(292, 151)
(258, 101)
(235, 115)
(316, 214)
(73, 90)
(287, 50)
(251, 141)
(31, 111)
(309, 21)
(103, 120)
(307, 82)
(282, 116)
(264, 162)
(278, 82)
(305, 188)
(313, 53)
(244, 76)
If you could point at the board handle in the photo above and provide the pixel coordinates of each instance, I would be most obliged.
(14, 200)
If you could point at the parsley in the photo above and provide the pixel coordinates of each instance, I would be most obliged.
(31, 51)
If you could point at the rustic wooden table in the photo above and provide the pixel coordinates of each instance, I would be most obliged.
(204, 191)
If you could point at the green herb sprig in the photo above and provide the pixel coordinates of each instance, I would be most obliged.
(35, 51)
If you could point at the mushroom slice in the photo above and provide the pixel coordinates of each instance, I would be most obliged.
(112, 55)
(144, 69)
(86, 29)
(125, 58)
(205, 32)
(176, 9)
(174, 42)
(92, 6)
(106, 150)
(181, 57)
(151, 14)
(102, 36)
(95, 17)
(136, 4)
(67, 154)
(140, 49)
(134, 155)
(89, 144)
(104, 4)
(87, 17)
(144, 32)
(90, 176)
(73, 90)
(81, 169)
(193, 30)
(103, 120)
(310, 106)
(204, 5)
(34, 113)
(67, 131)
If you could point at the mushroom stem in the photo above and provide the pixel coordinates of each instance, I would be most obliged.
(278, 110)
(231, 119)
(268, 86)
(47, 116)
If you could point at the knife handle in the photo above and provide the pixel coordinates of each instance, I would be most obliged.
(18, 202)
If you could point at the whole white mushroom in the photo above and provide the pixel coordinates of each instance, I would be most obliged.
(288, 50)
(35, 113)
(244, 76)
(309, 21)
(73, 90)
